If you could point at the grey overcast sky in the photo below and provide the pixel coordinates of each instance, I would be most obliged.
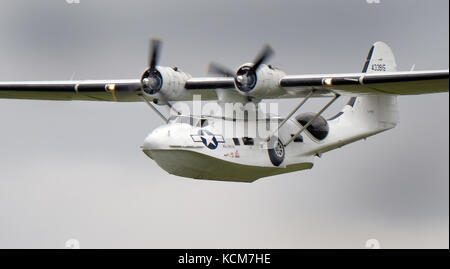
(75, 170)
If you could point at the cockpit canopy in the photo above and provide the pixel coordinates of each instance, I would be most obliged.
(318, 128)
(193, 121)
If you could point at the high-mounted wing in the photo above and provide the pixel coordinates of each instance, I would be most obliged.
(158, 84)
(350, 84)
(209, 83)
(378, 77)
(395, 83)
(91, 90)
(252, 81)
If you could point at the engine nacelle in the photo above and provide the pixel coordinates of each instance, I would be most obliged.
(164, 83)
(264, 82)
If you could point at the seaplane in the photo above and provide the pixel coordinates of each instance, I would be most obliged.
(232, 135)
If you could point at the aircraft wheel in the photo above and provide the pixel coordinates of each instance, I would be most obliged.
(276, 151)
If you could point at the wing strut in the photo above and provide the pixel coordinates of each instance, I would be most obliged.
(154, 109)
(314, 118)
(290, 115)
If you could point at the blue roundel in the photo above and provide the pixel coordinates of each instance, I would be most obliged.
(208, 139)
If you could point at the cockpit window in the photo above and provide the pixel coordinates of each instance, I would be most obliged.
(183, 119)
(193, 121)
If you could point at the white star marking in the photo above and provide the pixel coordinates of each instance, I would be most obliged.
(208, 138)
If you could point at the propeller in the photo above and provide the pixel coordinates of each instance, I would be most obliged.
(151, 80)
(218, 69)
(245, 77)
(262, 57)
(155, 45)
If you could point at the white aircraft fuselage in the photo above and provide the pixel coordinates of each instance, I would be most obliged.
(204, 148)
(206, 153)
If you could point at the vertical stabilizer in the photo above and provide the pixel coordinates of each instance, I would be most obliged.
(365, 116)
(380, 110)
(380, 59)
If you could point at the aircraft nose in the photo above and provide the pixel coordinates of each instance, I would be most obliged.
(157, 139)
(150, 142)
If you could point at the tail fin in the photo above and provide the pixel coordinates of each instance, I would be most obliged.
(369, 115)
(378, 110)
(380, 59)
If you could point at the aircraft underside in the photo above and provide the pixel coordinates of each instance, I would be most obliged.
(191, 164)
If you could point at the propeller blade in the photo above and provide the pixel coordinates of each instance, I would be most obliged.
(262, 57)
(155, 45)
(218, 69)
